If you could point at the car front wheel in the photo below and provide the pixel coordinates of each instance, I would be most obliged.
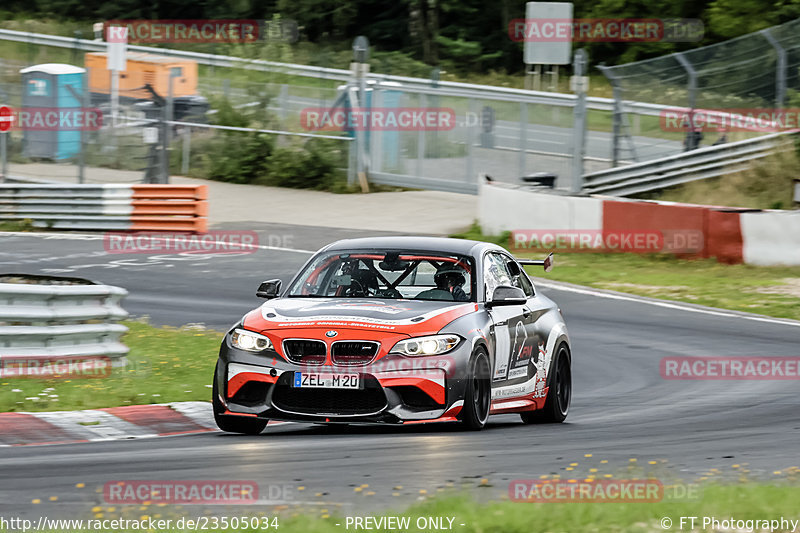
(478, 394)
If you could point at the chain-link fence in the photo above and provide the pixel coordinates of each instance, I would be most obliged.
(756, 71)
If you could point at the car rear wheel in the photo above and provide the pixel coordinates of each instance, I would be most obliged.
(559, 396)
(478, 394)
(234, 424)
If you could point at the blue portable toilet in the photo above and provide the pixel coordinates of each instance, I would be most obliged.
(48, 86)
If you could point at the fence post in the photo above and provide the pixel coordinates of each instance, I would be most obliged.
(523, 136)
(616, 114)
(579, 121)
(187, 141)
(780, 68)
(473, 111)
(691, 139)
(3, 156)
(421, 139)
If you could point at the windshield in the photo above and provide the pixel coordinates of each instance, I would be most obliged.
(392, 274)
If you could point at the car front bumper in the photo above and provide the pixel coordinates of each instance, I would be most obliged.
(394, 390)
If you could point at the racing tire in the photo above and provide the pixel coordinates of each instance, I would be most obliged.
(234, 424)
(478, 393)
(559, 395)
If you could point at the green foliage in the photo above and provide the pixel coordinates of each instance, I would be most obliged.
(310, 166)
(731, 18)
(238, 157)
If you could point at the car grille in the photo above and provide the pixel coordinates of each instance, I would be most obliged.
(353, 352)
(313, 401)
(305, 351)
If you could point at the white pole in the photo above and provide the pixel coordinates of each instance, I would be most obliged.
(114, 97)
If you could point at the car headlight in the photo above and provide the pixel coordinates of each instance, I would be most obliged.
(249, 341)
(432, 345)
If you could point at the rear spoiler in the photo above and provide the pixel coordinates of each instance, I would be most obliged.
(547, 262)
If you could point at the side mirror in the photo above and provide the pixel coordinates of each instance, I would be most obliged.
(507, 295)
(269, 289)
(549, 261)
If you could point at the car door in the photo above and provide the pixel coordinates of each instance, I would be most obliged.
(530, 356)
(508, 327)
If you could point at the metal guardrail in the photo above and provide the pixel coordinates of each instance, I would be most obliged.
(107, 207)
(421, 85)
(698, 164)
(42, 321)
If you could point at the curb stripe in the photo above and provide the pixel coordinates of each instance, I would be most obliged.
(94, 425)
(159, 418)
(24, 428)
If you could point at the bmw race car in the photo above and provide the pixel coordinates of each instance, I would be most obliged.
(397, 330)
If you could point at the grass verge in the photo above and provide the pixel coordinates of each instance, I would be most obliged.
(167, 365)
(739, 502)
(772, 291)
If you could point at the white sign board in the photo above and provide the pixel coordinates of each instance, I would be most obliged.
(548, 33)
(117, 38)
(150, 135)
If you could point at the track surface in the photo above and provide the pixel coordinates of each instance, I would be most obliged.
(621, 409)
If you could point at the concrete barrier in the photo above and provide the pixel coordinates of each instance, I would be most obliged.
(771, 237)
(730, 235)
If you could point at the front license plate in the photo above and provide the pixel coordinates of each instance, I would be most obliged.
(326, 381)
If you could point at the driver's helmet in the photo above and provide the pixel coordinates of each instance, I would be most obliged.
(449, 275)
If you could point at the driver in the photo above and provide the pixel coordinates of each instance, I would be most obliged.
(450, 278)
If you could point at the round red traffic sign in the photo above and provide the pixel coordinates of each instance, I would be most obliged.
(6, 118)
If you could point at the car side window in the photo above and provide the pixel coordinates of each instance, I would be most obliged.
(518, 277)
(495, 273)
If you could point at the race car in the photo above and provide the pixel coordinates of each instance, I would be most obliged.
(397, 330)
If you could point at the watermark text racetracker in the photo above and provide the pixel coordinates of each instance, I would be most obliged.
(378, 119)
(605, 30)
(677, 241)
(213, 242)
(55, 367)
(730, 368)
(56, 119)
(600, 490)
(724, 120)
(205, 30)
(227, 492)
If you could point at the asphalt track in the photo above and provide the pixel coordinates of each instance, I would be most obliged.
(622, 409)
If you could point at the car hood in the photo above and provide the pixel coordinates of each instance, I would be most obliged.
(412, 317)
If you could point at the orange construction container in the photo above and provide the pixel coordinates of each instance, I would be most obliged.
(141, 69)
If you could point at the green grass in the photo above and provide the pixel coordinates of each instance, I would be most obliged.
(767, 184)
(772, 291)
(166, 365)
(18, 225)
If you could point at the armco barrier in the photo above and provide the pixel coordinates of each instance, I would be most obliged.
(107, 207)
(45, 318)
(731, 235)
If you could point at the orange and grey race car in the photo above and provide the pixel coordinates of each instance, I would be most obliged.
(397, 330)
